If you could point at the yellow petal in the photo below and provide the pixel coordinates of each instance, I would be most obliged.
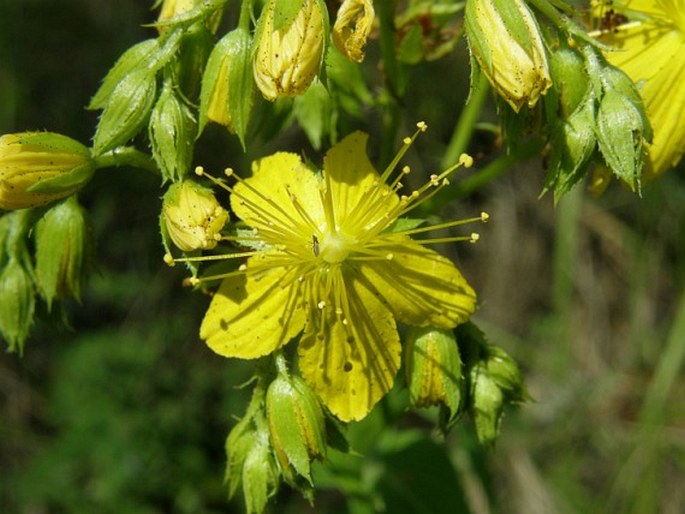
(276, 196)
(359, 200)
(421, 286)
(252, 315)
(351, 365)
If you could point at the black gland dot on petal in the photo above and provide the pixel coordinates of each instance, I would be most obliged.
(347, 367)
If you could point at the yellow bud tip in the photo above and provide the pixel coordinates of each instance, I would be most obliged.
(407, 140)
(228, 172)
(484, 217)
(321, 304)
(199, 171)
(421, 125)
(474, 237)
(169, 260)
(466, 160)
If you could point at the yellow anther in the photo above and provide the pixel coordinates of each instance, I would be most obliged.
(484, 217)
(421, 125)
(321, 305)
(466, 160)
(475, 236)
(199, 171)
(228, 172)
(407, 140)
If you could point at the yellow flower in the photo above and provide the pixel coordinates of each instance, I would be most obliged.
(505, 41)
(288, 58)
(651, 50)
(352, 27)
(330, 259)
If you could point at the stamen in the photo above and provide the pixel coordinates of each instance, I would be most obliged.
(475, 236)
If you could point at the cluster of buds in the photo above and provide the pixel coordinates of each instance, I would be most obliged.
(282, 432)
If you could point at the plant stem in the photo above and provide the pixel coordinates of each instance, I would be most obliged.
(463, 131)
(126, 156)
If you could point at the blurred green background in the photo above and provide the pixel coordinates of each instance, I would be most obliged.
(128, 411)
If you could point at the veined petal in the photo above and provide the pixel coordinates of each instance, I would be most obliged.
(421, 286)
(358, 197)
(276, 195)
(253, 314)
(351, 364)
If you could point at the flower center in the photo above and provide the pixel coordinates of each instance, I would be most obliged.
(335, 247)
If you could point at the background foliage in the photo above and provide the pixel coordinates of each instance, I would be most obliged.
(128, 412)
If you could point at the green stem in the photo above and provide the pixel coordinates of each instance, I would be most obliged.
(463, 131)
(481, 177)
(126, 156)
(245, 15)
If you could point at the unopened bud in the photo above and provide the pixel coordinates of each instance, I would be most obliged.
(487, 404)
(192, 216)
(352, 27)
(37, 168)
(63, 251)
(17, 305)
(296, 424)
(505, 41)
(172, 131)
(289, 50)
(227, 92)
(434, 369)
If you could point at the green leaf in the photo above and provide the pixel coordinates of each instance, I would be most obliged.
(315, 113)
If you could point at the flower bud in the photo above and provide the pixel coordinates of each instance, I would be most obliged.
(487, 404)
(63, 251)
(172, 130)
(296, 424)
(37, 168)
(505, 41)
(251, 463)
(127, 110)
(290, 47)
(192, 216)
(17, 305)
(176, 9)
(567, 67)
(352, 27)
(506, 374)
(434, 369)
(227, 92)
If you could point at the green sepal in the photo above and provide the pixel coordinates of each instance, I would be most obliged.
(136, 57)
(195, 47)
(65, 182)
(572, 146)
(285, 12)
(316, 113)
(260, 477)
(433, 369)
(296, 425)
(17, 305)
(51, 141)
(487, 405)
(64, 251)
(235, 51)
(127, 110)
(172, 130)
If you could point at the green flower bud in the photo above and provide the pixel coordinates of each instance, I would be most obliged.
(296, 424)
(505, 41)
(17, 305)
(127, 110)
(37, 168)
(251, 463)
(352, 27)
(506, 374)
(172, 130)
(192, 216)
(487, 404)
(63, 251)
(433, 368)
(571, 83)
(227, 92)
(290, 46)
(196, 45)
(260, 476)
